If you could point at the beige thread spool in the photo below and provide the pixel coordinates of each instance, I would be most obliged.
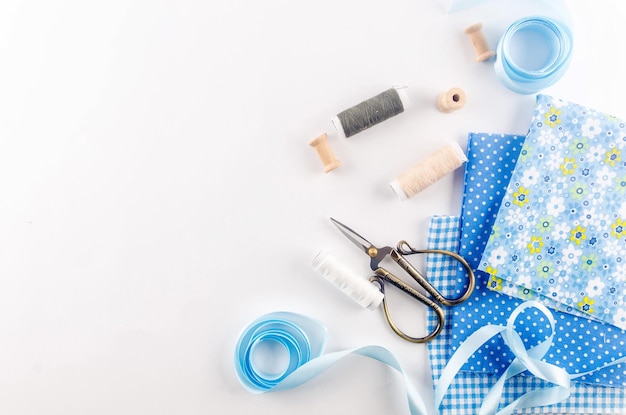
(325, 152)
(476, 35)
(438, 164)
(451, 100)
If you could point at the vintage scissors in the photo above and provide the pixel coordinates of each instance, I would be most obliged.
(436, 299)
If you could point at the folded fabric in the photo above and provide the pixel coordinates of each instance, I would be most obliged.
(493, 164)
(580, 344)
(561, 229)
(468, 389)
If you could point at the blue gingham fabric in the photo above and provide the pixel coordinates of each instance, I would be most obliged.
(466, 392)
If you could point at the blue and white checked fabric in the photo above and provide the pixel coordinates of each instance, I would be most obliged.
(468, 388)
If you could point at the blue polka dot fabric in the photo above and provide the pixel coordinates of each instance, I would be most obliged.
(580, 344)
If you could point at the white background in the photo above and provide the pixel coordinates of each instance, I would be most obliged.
(157, 190)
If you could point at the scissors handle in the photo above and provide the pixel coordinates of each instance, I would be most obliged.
(404, 248)
(383, 275)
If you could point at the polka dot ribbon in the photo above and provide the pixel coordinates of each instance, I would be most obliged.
(304, 340)
(525, 360)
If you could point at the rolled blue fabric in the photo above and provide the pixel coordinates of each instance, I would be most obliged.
(516, 61)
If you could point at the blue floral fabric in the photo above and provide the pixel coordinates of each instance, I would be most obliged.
(561, 228)
(580, 344)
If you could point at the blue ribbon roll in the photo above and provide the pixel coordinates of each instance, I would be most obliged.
(303, 339)
(533, 54)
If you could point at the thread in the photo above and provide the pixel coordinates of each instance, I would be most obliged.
(347, 281)
(481, 47)
(438, 164)
(533, 54)
(451, 100)
(370, 112)
(325, 153)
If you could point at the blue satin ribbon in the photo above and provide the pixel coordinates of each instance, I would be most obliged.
(304, 339)
(515, 70)
(525, 360)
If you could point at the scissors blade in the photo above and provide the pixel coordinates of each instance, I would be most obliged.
(356, 239)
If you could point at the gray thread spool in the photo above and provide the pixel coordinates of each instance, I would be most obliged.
(370, 112)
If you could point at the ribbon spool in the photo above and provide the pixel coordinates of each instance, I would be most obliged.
(533, 54)
(304, 340)
(302, 337)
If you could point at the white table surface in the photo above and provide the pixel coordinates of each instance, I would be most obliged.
(157, 190)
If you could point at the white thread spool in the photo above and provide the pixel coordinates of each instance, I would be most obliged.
(350, 283)
(438, 164)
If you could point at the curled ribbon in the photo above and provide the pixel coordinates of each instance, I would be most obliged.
(304, 339)
(525, 360)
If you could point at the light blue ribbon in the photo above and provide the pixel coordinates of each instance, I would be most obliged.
(525, 360)
(304, 339)
(514, 70)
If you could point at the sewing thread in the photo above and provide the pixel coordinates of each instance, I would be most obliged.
(370, 112)
(360, 290)
(520, 47)
(434, 167)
